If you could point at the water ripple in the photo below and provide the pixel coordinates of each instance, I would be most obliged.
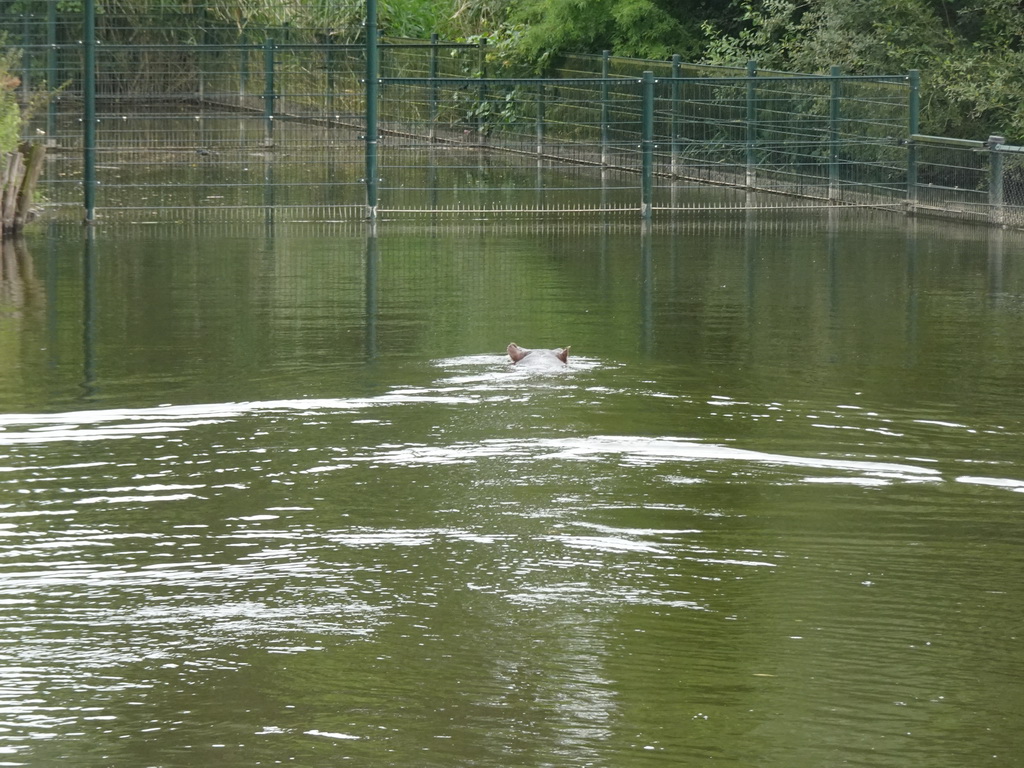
(631, 450)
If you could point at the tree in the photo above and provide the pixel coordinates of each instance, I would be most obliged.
(983, 81)
(969, 52)
(866, 37)
(642, 28)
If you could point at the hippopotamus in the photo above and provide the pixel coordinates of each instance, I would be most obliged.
(538, 356)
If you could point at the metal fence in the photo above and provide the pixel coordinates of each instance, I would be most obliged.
(214, 121)
(979, 181)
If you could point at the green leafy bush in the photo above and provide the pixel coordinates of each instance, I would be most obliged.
(10, 114)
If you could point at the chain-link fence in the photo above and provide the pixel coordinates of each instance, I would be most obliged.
(199, 114)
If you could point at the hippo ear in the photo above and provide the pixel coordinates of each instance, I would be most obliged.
(516, 352)
(563, 354)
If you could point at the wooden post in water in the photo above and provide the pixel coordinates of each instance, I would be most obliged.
(10, 183)
(18, 175)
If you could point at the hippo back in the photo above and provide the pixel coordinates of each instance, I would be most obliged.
(538, 357)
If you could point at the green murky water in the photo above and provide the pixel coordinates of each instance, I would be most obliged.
(275, 495)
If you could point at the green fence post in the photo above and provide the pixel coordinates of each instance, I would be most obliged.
(26, 55)
(751, 139)
(51, 73)
(243, 68)
(482, 95)
(606, 57)
(329, 76)
(268, 92)
(647, 146)
(995, 180)
(914, 78)
(200, 54)
(372, 96)
(540, 119)
(433, 87)
(676, 60)
(89, 111)
(835, 96)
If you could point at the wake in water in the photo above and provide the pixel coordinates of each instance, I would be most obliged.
(473, 387)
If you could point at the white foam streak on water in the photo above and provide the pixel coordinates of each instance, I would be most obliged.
(627, 449)
(137, 499)
(660, 449)
(611, 544)
(134, 422)
(331, 735)
(996, 482)
(640, 531)
(452, 390)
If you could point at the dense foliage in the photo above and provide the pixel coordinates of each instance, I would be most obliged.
(10, 113)
(970, 52)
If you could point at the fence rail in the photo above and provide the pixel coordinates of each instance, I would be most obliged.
(280, 121)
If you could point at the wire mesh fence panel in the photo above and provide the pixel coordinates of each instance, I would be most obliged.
(1011, 182)
(202, 108)
(797, 136)
(953, 179)
(509, 144)
(218, 132)
(970, 180)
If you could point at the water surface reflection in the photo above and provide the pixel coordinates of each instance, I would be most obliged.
(303, 515)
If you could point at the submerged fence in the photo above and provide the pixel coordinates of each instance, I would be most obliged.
(294, 125)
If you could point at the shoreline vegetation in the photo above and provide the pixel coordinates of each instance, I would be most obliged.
(970, 53)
